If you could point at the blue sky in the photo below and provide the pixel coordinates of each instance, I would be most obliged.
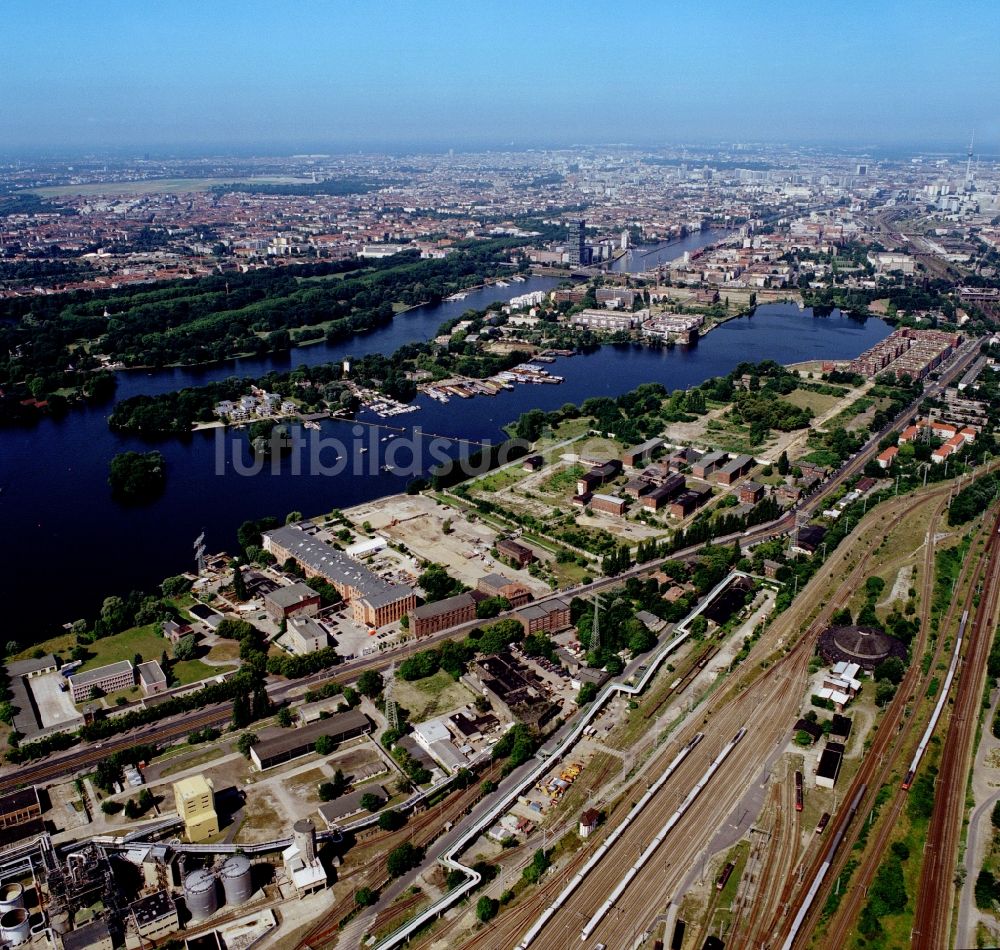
(311, 74)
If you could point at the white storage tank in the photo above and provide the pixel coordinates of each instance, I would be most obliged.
(237, 879)
(201, 894)
(15, 927)
(11, 897)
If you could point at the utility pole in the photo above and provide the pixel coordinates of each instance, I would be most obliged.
(391, 711)
(595, 633)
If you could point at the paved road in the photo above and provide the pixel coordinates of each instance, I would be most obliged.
(69, 763)
(968, 914)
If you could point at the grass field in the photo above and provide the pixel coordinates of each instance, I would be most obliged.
(145, 641)
(191, 671)
(496, 481)
(224, 650)
(562, 481)
(431, 696)
(818, 402)
(190, 762)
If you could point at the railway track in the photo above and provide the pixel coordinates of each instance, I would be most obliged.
(853, 900)
(420, 830)
(892, 738)
(697, 665)
(935, 898)
(777, 861)
(775, 684)
(72, 763)
(764, 918)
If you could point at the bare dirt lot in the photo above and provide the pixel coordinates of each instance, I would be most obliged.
(418, 522)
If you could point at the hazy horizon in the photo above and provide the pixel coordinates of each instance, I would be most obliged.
(228, 77)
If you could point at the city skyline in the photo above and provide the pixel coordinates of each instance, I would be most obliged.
(234, 77)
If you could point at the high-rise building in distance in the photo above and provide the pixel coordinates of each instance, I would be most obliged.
(577, 249)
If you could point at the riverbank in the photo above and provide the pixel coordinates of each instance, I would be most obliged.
(47, 467)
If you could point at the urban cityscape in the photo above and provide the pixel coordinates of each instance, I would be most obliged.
(472, 484)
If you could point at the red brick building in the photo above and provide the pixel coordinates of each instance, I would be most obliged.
(429, 618)
(549, 617)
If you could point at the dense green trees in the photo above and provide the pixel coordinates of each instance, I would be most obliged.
(518, 744)
(487, 908)
(539, 865)
(370, 683)
(437, 583)
(365, 897)
(403, 859)
(137, 476)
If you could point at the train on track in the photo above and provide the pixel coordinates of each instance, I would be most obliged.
(824, 869)
(798, 791)
(911, 772)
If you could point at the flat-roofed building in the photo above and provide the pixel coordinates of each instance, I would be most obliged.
(751, 493)
(548, 617)
(104, 679)
(194, 798)
(335, 812)
(297, 599)
(513, 690)
(828, 767)
(708, 463)
(20, 815)
(441, 614)
(612, 320)
(687, 501)
(641, 453)
(29, 669)
(92, 936)
(638, 486)
(609, 504)
(287, 744)
(152, 679)
(151, 918)
(662, 493)
(304, 635)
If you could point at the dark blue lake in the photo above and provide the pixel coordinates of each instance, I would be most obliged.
(71, 545)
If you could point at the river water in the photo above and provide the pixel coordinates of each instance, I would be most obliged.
(70, 544)
(646, 257)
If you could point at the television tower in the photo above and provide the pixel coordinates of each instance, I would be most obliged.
(968, 163)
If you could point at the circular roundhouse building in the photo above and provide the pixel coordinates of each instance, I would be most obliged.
(865, 646)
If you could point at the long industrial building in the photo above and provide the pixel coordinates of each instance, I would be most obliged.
(288, 744)
(373, 601)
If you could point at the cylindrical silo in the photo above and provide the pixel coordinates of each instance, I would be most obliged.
(59, 922)
(304, 832)
(11, 897)
(201, 894)
(15, 927)
(237, 879)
